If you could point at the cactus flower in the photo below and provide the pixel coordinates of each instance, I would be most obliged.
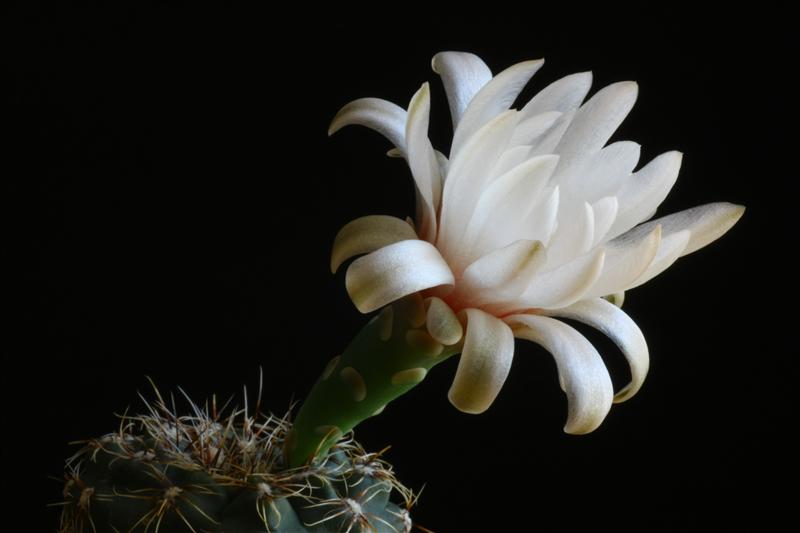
(531, 217)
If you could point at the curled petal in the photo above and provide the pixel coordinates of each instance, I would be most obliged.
(395, 271)
(618, 326)
(386, 118)
(484, 362)
(367, 234)
(463, 75)
(442, 323)
(581, 371)
(495, 98)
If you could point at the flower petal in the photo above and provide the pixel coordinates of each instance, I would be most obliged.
(605, 211)
(506, 203)
(541, 223)
(581, 371)
(501, 274)
(547, 143)
(590, 177)
(395, 271)
(618, 326)
(562, 95)
(463, 75)
(534, 127)
(669, 250)
(707, 223)
(643, 192)
(386, 118)
(468, 174)
(562, 286)
(573, 236)
(367, 234)
(627, 259)
(505, 227)
(443, 162)
(495, 98)
(423, 162)
(484, 362)
(441, 322)
(509, 159)
(598, 119)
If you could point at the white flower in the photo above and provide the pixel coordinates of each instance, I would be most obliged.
(532, 218)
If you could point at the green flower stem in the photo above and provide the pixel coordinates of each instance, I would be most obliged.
(389, 357)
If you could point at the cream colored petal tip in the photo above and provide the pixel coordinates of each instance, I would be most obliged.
(712, 222)
(484, 363)
(367, 234)
(395, 271)
(616, 325)
(442, 323)
(581, 370)
(706, 223)
(379, 115)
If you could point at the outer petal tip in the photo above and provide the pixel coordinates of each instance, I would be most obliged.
(572, 428)
(457, 401)
(627, 89)
(736, 212)
(394, 271)
(367, 234)
(582, 373)
(533, 62)
(334, 125)
(435, 60)
(625, 393)
(484, 363)
(709, 222)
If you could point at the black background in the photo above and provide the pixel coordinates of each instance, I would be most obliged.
(173, 197)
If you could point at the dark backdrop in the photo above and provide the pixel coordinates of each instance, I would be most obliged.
(177, 195)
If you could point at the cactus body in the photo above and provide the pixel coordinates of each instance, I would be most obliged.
(204, 473)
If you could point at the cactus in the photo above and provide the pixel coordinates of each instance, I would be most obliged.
(206, 472)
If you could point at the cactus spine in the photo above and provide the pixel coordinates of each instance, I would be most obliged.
(205, 472)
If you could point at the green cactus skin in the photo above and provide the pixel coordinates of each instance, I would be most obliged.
(162, 473)
(389, 357)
